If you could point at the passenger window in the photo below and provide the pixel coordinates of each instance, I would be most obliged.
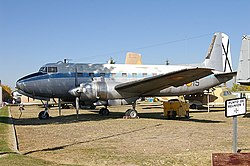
(79, 74)
(144, 74)
(52, 69)
(154, 74)
(91, 74)
(134, 74)
(113, 74)
(124, 74)
(102, 74)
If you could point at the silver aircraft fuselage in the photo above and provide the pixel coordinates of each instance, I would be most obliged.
(55, 80)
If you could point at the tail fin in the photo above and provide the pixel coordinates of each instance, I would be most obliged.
(219, 54)
(243, 74)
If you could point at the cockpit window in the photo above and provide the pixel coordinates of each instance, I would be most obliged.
(43, 69)
(52, 69)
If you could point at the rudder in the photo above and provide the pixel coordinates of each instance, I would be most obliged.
(219, 54)
(243, 74)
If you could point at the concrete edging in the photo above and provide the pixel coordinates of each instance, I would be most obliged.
(15, 147)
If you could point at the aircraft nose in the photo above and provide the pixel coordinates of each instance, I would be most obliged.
(19, 85)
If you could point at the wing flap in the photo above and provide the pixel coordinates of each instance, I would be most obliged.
(176, 78)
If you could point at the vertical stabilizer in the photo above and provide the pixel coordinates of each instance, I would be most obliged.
(219, 54)
(243, 74)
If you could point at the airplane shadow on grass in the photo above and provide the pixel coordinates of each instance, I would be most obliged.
(94, 116)
(64, 119)
(92, 140)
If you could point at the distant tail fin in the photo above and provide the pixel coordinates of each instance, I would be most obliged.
(243, 74)
(219, 54)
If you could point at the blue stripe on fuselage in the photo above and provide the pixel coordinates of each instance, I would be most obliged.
(34, 77)
(42, 76)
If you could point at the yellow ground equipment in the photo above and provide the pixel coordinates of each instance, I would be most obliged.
(176, 107)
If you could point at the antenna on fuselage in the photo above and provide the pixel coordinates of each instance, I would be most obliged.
(167, 62)
(65, 60)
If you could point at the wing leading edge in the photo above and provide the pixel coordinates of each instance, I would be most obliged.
(162, 81)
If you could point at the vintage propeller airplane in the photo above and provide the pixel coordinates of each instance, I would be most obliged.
(120, 84)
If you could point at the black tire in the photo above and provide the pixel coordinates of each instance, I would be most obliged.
(43, 115)
(193, 106)
(174, 114)
(101, 111)
(104, 111)
(131, 113)
(127, 113)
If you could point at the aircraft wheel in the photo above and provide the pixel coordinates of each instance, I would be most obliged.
(43, 115)
(174, 113)
(127, 112)
(193, 106)
(131, 113)
(104, 111)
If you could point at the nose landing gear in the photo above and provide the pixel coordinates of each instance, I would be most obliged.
(44, 114)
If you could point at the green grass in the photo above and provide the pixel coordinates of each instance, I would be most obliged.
(7, 156)
(4, 128)
(21, 160)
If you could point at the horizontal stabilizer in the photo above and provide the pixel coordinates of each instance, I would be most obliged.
(244, 82)
(162, 81)
(230, 74)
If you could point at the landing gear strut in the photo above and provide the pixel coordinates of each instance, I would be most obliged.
(44, 114)
(77, 107)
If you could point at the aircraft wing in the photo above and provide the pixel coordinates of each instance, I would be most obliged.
(159, 82)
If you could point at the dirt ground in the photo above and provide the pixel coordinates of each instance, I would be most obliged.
(112, 140)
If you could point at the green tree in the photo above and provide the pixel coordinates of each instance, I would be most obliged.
(238, 87)
(6, 93)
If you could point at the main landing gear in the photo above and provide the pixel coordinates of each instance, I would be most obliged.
(104, 111)
(131, 113)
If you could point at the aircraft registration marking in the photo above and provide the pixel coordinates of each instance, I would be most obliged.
(194, 83)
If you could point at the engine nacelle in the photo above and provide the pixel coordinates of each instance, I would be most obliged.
(102, 91)
(96, 90)
(99, 90)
